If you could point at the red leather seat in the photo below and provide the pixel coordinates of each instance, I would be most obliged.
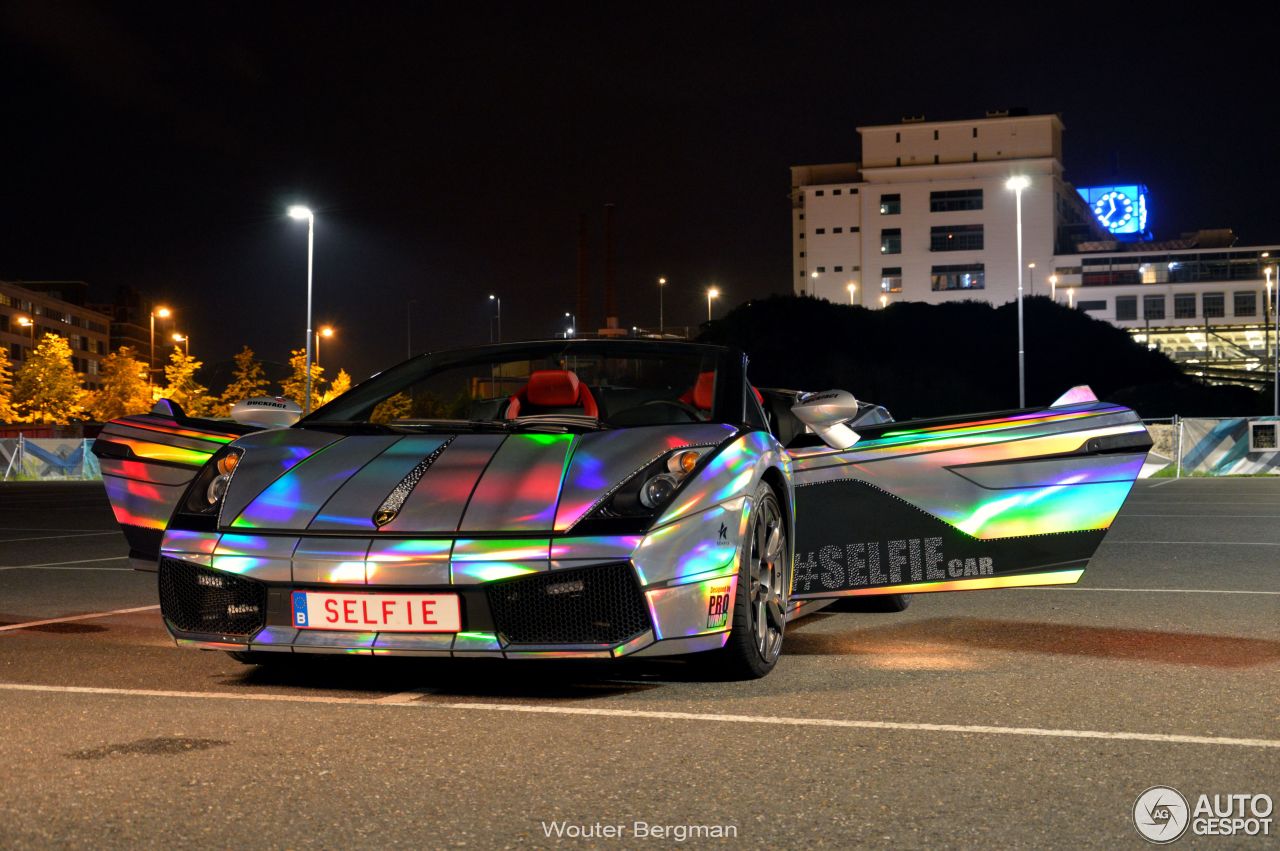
(552, 391)
(702, 394)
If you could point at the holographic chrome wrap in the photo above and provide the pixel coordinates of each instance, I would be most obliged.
(395, 500)
(966, 474)
(603, 461)
(943, 505)
(435, 506)
(520, 487)
(979, 583)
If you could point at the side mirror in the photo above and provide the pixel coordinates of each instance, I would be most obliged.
(266, 412)
(827, 414)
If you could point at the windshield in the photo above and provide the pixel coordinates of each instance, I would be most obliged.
(573, 385)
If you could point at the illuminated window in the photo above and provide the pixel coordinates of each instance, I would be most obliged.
(967, 276)
(890, 205)
(891, 279)
(891, 241)
(1126, 307)
(1246, 303)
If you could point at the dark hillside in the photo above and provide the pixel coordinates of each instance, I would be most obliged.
(924, 360)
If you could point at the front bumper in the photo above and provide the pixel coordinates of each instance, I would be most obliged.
(544, 598)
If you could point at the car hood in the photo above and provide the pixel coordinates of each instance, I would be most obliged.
(323, 482)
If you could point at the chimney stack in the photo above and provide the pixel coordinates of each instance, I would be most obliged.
(610, 302)
(584, 304)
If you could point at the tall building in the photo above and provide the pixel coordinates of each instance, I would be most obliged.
(926, 215)
(30, 309)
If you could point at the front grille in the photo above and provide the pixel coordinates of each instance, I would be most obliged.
(196, 599)
(589, 605)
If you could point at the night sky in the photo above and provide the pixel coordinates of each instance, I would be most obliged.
(449, 155)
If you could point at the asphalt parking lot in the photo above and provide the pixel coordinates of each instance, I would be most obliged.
(1006, 718)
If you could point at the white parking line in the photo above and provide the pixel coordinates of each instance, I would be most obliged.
(53, 564)
(658, 715)
(29, 624)
(54, 537)
(1148, 590)
(1110, 541)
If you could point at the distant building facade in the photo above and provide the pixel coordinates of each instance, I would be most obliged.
(927, 216)
(30, 309)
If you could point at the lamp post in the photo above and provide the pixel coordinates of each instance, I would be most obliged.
(498, 301)
(326, 331)
(712, 293)
(185, 340)
(1017, 184)
(1071, 297)
(1275, 350)
(662, 327)
(163, 313)
(1053, 287)
(301, 213)
(573, 325)
(28, 322)
(852, 288)
(813, 276)
(884, 300)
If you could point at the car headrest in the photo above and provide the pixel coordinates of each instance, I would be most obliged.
(703, 396)
(552, 388)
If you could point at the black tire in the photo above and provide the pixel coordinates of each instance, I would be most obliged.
(877, 604)
(760, 602)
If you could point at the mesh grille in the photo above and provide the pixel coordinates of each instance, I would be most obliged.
(195, 599)
(591, 605)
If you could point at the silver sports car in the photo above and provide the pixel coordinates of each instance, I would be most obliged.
(595, 499)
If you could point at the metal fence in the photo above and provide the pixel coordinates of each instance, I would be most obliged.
(1214, 446)
(25, 458)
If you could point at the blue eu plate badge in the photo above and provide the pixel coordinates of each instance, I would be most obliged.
(299, 608)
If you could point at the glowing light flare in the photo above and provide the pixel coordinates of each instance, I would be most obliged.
(480, 571)
(162, 452)
(347, 571)
(521, 549)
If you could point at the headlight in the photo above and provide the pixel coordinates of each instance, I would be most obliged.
(651, 488)
(210, 485)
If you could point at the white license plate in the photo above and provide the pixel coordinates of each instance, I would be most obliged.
(377, 612)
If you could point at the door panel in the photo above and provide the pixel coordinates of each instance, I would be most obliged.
(1022, 498)
(147, 462)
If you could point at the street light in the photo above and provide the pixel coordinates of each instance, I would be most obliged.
(1017, 184)
(28, 322)
(494, 298)
(1053, 287)
(185, 341)
(163, 313)
(326, 331)
(884, 300)
(1275, 351)
(573, 325)
(711, 294)
(301, 213)
(852, 288)
(1071, 297)
(662, 284)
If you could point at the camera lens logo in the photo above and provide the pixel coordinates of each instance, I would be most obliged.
(1161, 814)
